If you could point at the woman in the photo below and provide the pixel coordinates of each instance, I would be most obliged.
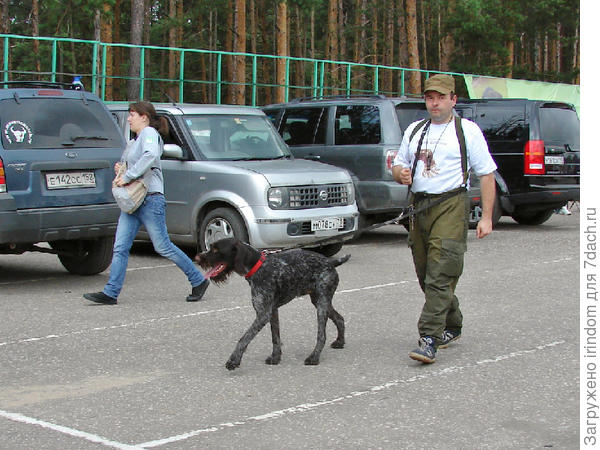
(143, 160)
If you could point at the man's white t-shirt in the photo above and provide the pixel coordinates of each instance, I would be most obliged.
(439, 167)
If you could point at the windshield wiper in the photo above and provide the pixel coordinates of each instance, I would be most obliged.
(94, 138)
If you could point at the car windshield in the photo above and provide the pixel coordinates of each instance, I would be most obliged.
(40, 123)
(409, 113)
(236, 137)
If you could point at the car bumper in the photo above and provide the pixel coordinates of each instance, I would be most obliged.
(281, 229)
(375, 197)
(545, 199)
(47, 224)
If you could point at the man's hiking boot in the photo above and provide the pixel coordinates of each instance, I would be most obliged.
(198, 291)
(426, 351)
(448, 337)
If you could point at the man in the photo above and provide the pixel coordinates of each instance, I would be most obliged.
(438, 232)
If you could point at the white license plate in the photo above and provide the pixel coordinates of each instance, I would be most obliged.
(326, 224)
(66, 180)
(554, 160)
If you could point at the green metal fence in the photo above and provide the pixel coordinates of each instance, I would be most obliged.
(60, 59)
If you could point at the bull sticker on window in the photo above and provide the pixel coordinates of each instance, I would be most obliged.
(17, 132)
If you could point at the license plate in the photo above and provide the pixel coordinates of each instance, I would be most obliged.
(326, 224)
(554, 160)
(66, 180)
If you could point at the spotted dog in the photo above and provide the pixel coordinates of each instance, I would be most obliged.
(276, 279)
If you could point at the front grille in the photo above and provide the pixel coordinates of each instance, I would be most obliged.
(303, 197)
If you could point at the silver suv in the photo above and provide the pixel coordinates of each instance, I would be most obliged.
(228, 173)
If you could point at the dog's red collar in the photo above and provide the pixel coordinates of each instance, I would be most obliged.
(256, 266)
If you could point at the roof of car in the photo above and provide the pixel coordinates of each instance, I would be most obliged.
(343, 99)
(180, 109)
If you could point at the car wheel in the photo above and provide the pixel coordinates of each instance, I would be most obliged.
(532, 217)
(221, 223)
(329, 249)
(85, 257)
(475, 214)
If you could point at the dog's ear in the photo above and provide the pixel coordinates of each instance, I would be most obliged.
(239, 257)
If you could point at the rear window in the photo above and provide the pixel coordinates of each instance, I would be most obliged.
(357, 125)
(501, 122)
(559, 126)
(40, 123)
(410, 112)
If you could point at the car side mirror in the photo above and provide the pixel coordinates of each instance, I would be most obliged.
(172, 151)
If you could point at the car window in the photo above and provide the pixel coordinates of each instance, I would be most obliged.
(304, 126)
(272, 115)
(357, 125)
(501, 122)
(410, 112)
(40, 123)
(223, 137)
(559, 125)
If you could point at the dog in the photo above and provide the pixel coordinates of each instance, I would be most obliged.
(276, 279)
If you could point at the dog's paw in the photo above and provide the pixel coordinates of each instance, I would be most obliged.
(311, 361)
(337, 344)
(232, 365)
(273, 360)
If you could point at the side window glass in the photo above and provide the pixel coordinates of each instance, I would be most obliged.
(171, 137)
(357, 125)
(304, 126)
(501, 122)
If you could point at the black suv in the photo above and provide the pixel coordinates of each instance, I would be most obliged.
(536, 147)
(57, 151)
(361, 134)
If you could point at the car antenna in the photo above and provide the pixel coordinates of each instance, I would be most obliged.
(170, 99)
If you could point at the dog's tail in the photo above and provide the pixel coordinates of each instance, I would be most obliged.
(339, 261)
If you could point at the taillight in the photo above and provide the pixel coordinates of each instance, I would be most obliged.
(2, 178)
(389, 159)
(534, 158)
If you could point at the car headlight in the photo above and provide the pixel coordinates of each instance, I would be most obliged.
(276, 198)
(351, 198)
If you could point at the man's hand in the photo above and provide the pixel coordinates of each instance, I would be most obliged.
(488, 197)
(402, 174)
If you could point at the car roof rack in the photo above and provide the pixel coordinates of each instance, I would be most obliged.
(338, 97)
(40, 84)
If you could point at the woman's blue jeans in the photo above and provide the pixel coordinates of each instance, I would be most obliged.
(151, 214)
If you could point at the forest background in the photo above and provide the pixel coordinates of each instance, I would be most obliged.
(524, 39)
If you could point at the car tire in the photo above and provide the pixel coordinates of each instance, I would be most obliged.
(329, 249)
(86, 256)
(221, 223)
(532, 217)
(496, 214)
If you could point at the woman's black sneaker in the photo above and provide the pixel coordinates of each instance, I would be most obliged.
(198, 291)
(100, 297)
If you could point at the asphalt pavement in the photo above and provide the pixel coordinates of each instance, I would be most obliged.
(150, 371)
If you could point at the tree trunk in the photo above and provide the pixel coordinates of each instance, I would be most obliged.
(412, 38)
(239, 62)
(35, 31)
(137, 20)
(117, 51)
(388, 45)
(282, 37)
(447, 41)
(172, 64)
(332, 49)
(375, 28)
(266, 73)
(424, 63)
(106, 37)
(228, 60)
(402, 44)
(360, 39)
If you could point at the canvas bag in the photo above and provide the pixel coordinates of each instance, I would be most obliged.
(132, 195)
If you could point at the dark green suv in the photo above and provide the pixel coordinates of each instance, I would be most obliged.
(57, 151)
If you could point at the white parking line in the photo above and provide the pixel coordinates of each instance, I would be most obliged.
(161, 319)
(15, 417)
(304, 407)
(372, 390)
